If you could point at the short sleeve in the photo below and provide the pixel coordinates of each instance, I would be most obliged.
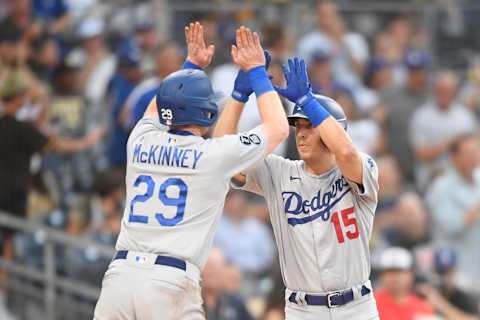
(369, 187)
(241, 151)
(259, 177)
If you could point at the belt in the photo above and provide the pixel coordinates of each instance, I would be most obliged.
(161, 260)
(331, 300)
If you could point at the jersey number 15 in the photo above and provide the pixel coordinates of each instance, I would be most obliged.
(348, 219)
(178, 202)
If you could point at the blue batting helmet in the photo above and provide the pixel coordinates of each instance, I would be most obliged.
(328, 103)
(186, 97)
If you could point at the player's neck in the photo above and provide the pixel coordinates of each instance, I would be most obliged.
(195, 130)
(319, 165)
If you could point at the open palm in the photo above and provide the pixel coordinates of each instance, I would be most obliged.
(198, 52)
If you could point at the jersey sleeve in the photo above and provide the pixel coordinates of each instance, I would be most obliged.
(369, 187)
(259, 178)
(241, 151)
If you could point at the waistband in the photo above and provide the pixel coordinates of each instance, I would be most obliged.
(144, 259)
(330, 300)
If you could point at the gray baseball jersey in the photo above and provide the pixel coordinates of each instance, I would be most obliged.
(176, 186)
(322, 224)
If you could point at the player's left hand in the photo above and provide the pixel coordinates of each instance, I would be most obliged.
(198, 52)
(298, 86)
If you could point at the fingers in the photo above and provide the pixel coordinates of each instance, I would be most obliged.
(303, 67)
(291, 65)
(256, 41)
(211, 49)
(196, 32)
(190, 32)
(234, 53)
(250, 37)
(187, 34)
(242, 36)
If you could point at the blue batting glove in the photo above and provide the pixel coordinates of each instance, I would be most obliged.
(298, 89)
(242, 88)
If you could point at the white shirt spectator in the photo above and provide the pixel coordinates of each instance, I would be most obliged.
(247, 244)
(432, 126)
(365, 134)
(355, 43)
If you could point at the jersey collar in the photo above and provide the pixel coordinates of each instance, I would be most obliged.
(180, 132)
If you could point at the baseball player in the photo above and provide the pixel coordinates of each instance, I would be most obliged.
(177, 182)
(321, 208)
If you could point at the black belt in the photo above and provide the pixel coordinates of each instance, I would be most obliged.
(161, 260)
(331, 300)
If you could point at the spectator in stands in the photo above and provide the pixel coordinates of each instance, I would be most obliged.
(168, 58)
(275, 304)
(69, 116)
(246, 242)
(86, 265)
(429, 135)
(349, 49)
(217, 280)
(378, 74)
(364, 131)
(147, 41)
(395, 203)
(321, 76)
(396, 298)
(20, 140)
(400, 104)
(454, 203)
(96, 64)
(445, 266)
(127, 76)
(52, 15)
(276, 40)
(470, 93)
(46, 58)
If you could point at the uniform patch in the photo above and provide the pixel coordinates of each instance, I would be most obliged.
(370, 163)
(249, 139)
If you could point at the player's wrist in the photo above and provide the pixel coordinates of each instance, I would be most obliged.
(259, 80)
(188, 64)
(240, 96)
(315, 112)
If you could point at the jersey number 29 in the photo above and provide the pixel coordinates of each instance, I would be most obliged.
(178, 202)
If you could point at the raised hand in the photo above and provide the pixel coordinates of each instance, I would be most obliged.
(247, 53)
(242, 88)
(198, 52)
(298, 86)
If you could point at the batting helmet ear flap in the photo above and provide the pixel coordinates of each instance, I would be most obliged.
(329, 104)
(186, 97)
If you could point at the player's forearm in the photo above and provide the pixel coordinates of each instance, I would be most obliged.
(228, 121)
(339, 143)
(274, 120)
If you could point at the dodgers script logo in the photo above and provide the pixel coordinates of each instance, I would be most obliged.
(317, 207)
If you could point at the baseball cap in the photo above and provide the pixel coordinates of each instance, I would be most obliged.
(90, 28)
(128, 55)
(320, 55)
(445, 259)
(417, 59)
(395, 258)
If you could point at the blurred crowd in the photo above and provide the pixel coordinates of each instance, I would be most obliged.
(76, 75)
